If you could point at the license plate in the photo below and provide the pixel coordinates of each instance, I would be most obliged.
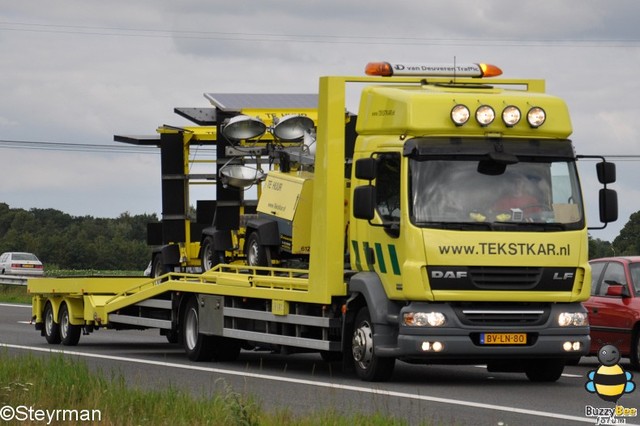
(27, 266)
(503, 338)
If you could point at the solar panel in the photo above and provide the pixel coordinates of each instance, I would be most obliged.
(238, 101)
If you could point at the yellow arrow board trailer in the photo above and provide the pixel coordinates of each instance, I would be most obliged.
(442, 223)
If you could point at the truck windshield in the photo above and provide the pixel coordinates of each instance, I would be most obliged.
(449, 193)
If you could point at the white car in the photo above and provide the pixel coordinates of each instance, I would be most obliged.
(17, 263)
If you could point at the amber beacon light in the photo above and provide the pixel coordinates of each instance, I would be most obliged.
(388, 69)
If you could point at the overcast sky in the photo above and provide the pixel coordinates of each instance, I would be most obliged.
(78, 72)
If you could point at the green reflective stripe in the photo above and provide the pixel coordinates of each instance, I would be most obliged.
(380, 256)
(354, 243)
(394, 259)
(367, 255)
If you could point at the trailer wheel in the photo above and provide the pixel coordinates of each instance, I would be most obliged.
(69, 333)
(197, 346)
(546, 370)
(210, 256)
(51, 328)
(158, 268)
(257, 254)
(368, 365)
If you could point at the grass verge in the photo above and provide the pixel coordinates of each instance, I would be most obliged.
(14, 294)
(60, 386)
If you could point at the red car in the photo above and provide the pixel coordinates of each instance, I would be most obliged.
(614, 306)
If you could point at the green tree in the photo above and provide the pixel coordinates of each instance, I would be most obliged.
(599, 248)
(76, 242)
(628, 241)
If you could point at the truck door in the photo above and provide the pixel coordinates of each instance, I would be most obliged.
(376, 243)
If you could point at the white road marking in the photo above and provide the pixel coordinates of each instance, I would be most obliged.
(312, 383)
(15, 305)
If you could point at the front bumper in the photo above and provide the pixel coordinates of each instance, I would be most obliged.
(461, 338)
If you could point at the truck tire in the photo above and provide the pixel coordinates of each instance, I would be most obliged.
(369, 367)
(198, 347)
(51, 328)
(69, 333)
(546, 370)
(210, 256)
(257, 254)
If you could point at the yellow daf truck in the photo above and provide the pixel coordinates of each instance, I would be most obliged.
(442, 223)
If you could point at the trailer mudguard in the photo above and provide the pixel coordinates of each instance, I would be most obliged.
(267, 229)
(170, 254)
(221, 238)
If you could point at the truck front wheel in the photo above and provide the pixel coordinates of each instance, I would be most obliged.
(51, 328)
(198, 347)
(69, 333)
(368, 365)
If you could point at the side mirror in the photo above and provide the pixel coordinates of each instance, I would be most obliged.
(364, 201)
(606, 172)
(618, 290)
(608, 205)
(366, 168)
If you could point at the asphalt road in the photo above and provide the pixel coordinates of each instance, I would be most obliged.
(442, 395)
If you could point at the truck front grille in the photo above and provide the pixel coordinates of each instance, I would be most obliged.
(504, 277)
(499, 315)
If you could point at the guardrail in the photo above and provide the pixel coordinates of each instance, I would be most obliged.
(13, 280)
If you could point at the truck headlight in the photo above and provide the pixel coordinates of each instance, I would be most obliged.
(575, 319)
(424, 319)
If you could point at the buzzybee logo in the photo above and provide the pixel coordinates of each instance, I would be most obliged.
(610, 381)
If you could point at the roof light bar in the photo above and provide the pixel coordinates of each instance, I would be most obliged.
(387, 69)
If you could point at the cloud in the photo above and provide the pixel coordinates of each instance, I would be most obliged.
(78, 71)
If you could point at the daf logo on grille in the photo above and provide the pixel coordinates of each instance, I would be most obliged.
(449, 274)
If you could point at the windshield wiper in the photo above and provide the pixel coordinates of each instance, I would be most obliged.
(463, 226)
(494, 226)
(530, 226)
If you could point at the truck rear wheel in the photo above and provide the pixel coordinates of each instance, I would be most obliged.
(69, 333)
(546, 370)
(368, 365)
(198, 347)
(210, 256)
(51, 328)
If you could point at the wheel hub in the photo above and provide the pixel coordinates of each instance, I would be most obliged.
(191, 329)
(362, 345)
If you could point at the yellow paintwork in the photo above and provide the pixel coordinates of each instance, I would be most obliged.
(421, 111)
(288, 196)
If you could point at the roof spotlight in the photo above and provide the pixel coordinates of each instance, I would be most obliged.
(460, 114)
(485, 115)
(511, 115)
(536, 117)
(291, 128)
(243, 127)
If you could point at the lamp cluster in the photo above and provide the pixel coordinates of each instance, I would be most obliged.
(485, 115)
